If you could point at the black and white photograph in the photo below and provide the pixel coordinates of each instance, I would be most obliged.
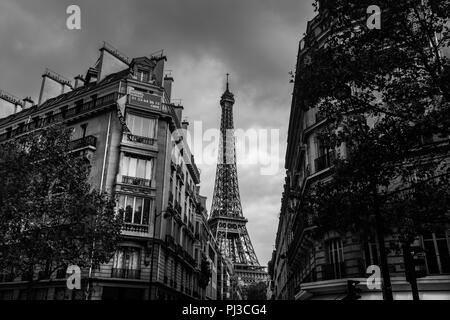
(223, 156)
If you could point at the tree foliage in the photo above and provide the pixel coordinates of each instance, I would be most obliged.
(50, 216)
(256, 291)
(382, 92)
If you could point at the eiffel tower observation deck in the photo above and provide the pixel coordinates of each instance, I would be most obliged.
(227, 221)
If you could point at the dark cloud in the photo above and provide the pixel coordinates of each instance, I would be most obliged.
(255, 41)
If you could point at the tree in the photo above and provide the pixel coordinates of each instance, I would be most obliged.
(205, 272)
(382, 91)
(256, 291)
(50, 217)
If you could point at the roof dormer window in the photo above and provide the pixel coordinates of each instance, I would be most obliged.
(143, 75)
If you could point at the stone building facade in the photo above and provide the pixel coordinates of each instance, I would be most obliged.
(304, 268)
(153, 176)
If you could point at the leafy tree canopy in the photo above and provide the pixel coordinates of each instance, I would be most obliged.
(382, 91)
(49, 214)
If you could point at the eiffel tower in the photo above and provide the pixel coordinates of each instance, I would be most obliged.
(227, 221)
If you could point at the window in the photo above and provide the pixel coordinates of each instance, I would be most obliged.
(437, 252)
(127, 258)
(78, 105)
(137, 168)
(127, 263)
(64, 111)
(143, 75)
(141, 126)
(136, 210)
(335, 269)
(83, 130)
(325, 156)
(20, 128)
(48, 117)
(371, 253)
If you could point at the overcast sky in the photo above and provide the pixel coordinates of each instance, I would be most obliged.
(256, 41)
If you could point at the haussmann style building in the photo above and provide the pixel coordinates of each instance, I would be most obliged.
(304, 268)
(166, 250)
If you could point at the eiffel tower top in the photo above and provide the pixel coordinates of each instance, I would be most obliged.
(227, 96)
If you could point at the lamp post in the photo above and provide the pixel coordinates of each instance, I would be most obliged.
(150, 285)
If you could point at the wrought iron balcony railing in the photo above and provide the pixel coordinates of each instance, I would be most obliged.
(136, 181)
(130, 227)
(89, 141)
(75, 111)
(126, 273)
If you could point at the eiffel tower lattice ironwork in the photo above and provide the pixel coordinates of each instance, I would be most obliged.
(227, 221)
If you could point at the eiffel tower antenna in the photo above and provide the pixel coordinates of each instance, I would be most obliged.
(227, 220)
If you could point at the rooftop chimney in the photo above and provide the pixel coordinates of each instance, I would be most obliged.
(185, 124)
(79, 81)
(168, 81)
(178, 111)
(27, 103)
(12, 100)
(52, 86)
(91, 75)
(111, 61)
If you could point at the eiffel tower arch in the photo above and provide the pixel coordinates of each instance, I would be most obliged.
(227, 221)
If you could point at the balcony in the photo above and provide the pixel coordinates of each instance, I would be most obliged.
(136, 181)
(325, 161)
(138, 228)
(139, 139)
(83, 143)
(73, 112)
(126, 273)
